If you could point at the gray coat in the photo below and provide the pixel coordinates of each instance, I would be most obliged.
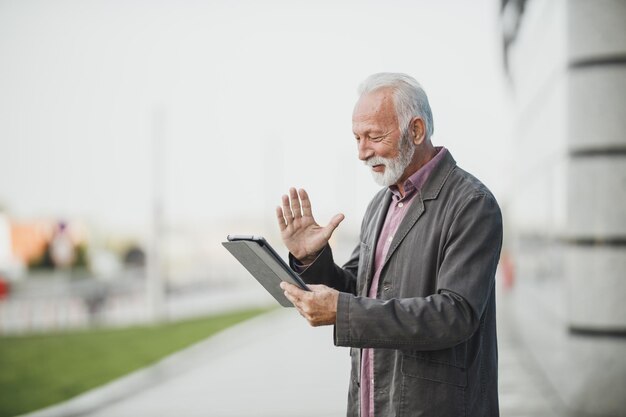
(433, 325)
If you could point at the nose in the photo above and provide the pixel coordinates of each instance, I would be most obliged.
(365, 152)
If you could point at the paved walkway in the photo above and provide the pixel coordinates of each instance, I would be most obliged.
(276, 365)
(273, 365)
(523, 390)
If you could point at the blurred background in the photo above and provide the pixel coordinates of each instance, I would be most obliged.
(135, 135)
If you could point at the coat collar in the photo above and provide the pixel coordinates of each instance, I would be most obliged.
(438, 177)
(429, 191)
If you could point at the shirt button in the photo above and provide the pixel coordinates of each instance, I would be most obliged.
(390, 239)
(400, 205)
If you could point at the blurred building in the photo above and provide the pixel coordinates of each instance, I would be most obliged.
(566, 60)
(21, 243)
(38, 243)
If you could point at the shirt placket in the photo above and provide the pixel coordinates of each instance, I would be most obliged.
(396, 213)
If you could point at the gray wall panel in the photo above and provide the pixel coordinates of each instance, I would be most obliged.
(597, 198)
(596, 28)
(594, 275)
(597, 109)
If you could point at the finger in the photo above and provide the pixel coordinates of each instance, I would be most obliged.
(334, 222)
(291, 299)
(297, 304)
(292, 290)
(301, 312)
(306, 203)
(317, 287)
(295, 203)
(282, 225)
(287, 210)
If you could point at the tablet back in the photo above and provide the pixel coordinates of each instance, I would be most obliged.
(262, 266)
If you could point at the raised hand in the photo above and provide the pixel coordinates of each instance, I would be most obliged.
(301, 234)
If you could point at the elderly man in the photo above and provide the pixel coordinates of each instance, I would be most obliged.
(416, 300)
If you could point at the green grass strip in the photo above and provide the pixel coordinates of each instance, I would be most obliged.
(41, 370)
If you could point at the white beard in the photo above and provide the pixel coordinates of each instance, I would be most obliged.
(394, 168)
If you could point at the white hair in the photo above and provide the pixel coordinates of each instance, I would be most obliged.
(409, 97)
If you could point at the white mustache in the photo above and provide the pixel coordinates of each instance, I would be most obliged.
(376, 160)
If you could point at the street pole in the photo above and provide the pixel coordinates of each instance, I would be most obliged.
(154, 279)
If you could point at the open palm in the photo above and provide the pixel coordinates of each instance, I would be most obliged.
(301, 234)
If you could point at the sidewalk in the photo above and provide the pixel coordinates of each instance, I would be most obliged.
(523, 390)
(277, 365)
(274, 365)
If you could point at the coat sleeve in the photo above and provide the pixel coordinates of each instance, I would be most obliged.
(324, 271)
(451, 315)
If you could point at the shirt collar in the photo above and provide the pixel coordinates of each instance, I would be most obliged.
(416, 181)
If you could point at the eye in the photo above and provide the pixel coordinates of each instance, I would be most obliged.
(377, 138)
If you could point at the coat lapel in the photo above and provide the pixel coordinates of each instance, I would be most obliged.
(430, 191)
(416, 211)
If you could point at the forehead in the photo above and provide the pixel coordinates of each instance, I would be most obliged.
(375, 110)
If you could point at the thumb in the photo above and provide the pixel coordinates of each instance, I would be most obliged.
(334, 222)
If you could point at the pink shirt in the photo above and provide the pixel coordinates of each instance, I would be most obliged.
(398, 208)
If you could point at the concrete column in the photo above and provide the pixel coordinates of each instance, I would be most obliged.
(596, 141)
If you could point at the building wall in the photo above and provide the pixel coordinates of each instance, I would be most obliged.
(567, 63)
(596, 221)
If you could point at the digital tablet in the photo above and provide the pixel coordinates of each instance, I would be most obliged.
(262, 261)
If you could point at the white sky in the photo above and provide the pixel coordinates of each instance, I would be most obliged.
(253, 96)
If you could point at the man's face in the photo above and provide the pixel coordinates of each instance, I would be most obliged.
(381, 144)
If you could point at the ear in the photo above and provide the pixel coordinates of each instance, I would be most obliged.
(418, 130)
